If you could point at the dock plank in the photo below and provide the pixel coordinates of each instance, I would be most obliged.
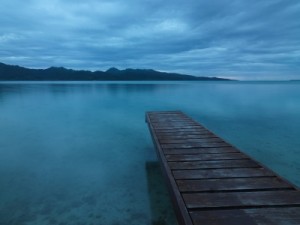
(205, 157)
(185, 137)
(162, 133)
(241, 199)
(196, 145)
(253, 216)
(212, 182)
(199, 140)
(236, 184)
(213, 164)
(222, 173)
(191, 151)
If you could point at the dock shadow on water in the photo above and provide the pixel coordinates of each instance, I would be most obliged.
(160, 203)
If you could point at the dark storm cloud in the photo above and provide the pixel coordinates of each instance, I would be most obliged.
(237, 38)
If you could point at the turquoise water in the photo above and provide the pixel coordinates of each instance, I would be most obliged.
(81, 153)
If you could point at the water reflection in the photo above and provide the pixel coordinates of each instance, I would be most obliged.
(69, 87)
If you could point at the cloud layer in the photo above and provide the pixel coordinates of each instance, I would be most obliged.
(229, 38)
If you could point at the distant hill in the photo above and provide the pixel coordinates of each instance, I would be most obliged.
(17, 73)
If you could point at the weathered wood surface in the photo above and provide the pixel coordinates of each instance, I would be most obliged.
(213, 183)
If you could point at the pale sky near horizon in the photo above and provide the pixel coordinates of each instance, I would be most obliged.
(227, 38)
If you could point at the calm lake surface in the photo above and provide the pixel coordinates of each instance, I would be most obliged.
(81, 153)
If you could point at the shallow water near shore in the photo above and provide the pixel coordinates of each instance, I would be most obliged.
(81, 153)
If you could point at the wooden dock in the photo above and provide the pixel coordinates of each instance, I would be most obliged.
(213, 183)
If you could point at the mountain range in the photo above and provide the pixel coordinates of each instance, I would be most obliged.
(18, 73)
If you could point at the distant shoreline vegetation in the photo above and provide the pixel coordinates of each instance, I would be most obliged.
(18, 73)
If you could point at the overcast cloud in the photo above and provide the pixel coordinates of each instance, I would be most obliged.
(228, 38)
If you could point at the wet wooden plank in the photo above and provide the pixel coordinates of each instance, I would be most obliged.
(182, 125)
(205, 157)
(166, 124)
(244, 163)
(241, 199)
(191, 151)
(185, 137)
(256, 216)
(178, 127)
(161, 133)
(199, 140)
(196, 145)
(178, 130)
(222, 173)
(232, 184)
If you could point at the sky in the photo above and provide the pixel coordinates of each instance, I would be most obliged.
(242, 39)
